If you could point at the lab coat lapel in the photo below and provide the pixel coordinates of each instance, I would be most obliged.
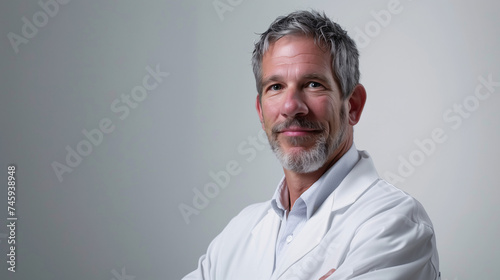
(308, 238)
(359, 179)
(263, 242)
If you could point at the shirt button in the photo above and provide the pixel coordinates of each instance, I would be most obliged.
(289, 239)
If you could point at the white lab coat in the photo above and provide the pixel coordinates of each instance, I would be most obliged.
(366, 229)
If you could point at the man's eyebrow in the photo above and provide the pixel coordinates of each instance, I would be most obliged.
(273, 78)
(315, 76)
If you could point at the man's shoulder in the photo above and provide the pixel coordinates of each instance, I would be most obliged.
(245, 221)
(393, 200)
(253, 212)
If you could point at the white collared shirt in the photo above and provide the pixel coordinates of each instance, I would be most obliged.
(307, 204)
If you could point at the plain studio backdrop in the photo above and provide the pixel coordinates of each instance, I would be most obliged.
(133, 129)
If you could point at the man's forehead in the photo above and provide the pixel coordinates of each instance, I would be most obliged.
(293, 45)
(299, 51)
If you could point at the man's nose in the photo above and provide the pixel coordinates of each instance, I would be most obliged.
(293, 103)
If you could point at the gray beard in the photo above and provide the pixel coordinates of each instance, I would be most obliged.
(314, 158)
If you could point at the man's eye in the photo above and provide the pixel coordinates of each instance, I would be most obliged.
(275, 87)
(315, 84)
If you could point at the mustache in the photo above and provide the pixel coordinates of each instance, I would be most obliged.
(297, 122)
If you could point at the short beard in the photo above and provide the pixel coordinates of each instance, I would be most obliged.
(314, 158)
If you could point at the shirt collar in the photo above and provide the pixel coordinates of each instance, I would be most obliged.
(321, 189)
(280, 200)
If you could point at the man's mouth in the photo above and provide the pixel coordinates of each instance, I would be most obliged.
(297, 131)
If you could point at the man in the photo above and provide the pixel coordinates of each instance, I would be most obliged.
(331, 217)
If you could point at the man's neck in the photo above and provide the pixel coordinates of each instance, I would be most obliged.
(298, 183)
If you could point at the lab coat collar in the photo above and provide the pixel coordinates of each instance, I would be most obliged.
(321, 189)
(360, 179)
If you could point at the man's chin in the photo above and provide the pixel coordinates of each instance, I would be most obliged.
(301, 160)
(302, 167)
(295, 151)
(298, 142)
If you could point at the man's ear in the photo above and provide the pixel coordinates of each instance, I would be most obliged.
(356, 103)
(258, 106)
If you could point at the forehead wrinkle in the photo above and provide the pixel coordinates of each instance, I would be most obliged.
(293, 56)
(293, 63)
(299, 72)
(300, 58)
(297, 58)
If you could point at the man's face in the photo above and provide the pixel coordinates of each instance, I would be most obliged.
(301, 108)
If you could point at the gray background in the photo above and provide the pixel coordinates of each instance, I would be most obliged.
(117, 212)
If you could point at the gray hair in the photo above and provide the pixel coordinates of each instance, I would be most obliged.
(345, 63)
